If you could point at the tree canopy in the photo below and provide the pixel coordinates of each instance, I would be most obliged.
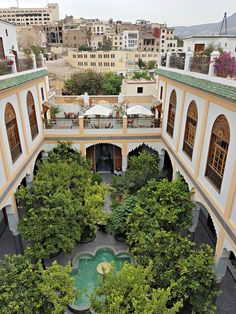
(84, 82)
(27, 288)
(141, 75)
(61, 205)
(111, 83)
(129, 291)
(93, 83)
(141, 168)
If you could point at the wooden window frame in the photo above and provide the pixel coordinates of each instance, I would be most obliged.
(171, 113)
(190, 129)
(12, 132)
(218, 151)
(32, 115)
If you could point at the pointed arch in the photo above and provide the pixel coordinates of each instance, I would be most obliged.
(218, 150)
(190, 129)
(12, 132)
(171, 113)
(32, 115)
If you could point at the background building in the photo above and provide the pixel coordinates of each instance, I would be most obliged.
(8, 39)
(199, 43)
(31, 16)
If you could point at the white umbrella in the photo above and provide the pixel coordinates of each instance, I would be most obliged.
(98, 110)
(139, 110)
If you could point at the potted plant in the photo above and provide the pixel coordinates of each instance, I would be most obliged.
(54, 110)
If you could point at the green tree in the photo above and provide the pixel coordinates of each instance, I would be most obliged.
(84, 48)
(89, 36)
(141, 168)
(142, 75)
(209, 49)
(111, 83)
(152, 64)
(163, 205)
(65, 152)
(117, 224)
(141, 64)
(36, 49)
(129, 291)
(106, 43)
(84, 82)
(178, 263)
(27, 288)
(61, 205)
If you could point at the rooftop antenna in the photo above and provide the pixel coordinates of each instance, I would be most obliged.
(223, 28)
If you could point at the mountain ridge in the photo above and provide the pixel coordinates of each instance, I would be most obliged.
(206, 29)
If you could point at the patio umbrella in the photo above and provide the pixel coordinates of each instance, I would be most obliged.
(98, 110)
(139, 110)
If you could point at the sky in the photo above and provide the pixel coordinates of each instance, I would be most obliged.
(173, 12)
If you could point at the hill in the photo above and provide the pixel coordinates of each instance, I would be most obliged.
(206, 29)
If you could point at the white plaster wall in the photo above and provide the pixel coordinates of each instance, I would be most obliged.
(224, 43)
(200, 107)
(42, 85)
(23, 97)
(233, 214)
(158, 146)
(10, 41)
(179, 92)
(161, 84)
(214, 111)
(13, 100)
(130, 88)
(2, 172)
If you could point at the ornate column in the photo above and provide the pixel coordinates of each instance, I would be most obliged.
(33, 58)
(221, 265)
(13, 220)
(195, 220)
(12, 57)
(168, 59)
(214, 55)
(188, 56)
(161, 160)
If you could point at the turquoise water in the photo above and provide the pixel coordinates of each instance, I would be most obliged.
(86, 278)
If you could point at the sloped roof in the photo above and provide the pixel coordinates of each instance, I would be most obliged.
(225, 91)
(8, 81)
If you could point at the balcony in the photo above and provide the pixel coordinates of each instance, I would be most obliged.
(219, 66)
(15, 65)
(103, 126)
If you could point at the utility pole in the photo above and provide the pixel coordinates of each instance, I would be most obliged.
(224, 25)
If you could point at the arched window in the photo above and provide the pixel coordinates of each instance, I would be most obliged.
(12, 132)
(220, 137)
(190, 129)
(32, 115)
(171, 114)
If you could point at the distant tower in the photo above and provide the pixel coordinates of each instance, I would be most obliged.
(223, 28)
(17, 3)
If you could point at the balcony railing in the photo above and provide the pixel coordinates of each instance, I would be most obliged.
(103, 123)
(144, 123)
(59, 123)
(5, 68)
(177, 61)
(200, 64)
(24, 64)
